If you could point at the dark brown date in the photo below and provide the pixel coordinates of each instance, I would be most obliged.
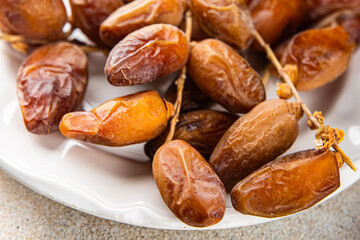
(275, 19)
(147, 54)
(33, 19)
(192, 98)
(320, 55)
(201, 129)
(121, 121)
(221, 73)
(88, 15)
(188, 185)
(288, 185)
(138, 14)
(227, 20)
(50, 83)
(257, 138)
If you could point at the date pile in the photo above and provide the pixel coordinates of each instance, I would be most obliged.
(212, 152)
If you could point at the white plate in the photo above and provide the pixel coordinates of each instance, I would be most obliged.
(123, 190)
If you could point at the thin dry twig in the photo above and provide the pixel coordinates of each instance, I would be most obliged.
(180, 82)
(273, 59)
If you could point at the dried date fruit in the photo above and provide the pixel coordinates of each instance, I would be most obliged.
(257, 138)
(202, 129)
(138, 14)
(33, 19)
(147, 54)
(50, 83)
(321, 55)
(121, 121)
(275, 19)
(192, 98)
(227, 20)
(188, 185)
(288, 185)
(88, 15)
(317, 9)
(226, 77)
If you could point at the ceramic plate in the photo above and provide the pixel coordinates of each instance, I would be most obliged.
(114, 183)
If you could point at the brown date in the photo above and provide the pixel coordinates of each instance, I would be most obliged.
(50, 83)
(192, 98)
(288, 185)
(138, 14)
(122, 121)
(188, 185)
(221, 73)
(89, 14)
(227, 20)
(320, 55)
(202, 129)
(257, 138)
(275, 19)
(33, 19)
(147, 54)
(319, 8)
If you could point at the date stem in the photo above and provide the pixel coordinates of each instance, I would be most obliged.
(180, 82)
(273, 59)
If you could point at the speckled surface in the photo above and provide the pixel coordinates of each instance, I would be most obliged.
(24, 214)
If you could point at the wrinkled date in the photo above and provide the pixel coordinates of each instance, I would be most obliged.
(288, 185)
(226, 77)
(319, 8)
(50, 83)
(122, 121)
(138, 14)
(201, 129)
(276, 18)
(257, 138)
(321, 55)
(147, 54)
(188, 185)
(192, 98)
(88, 15)
(33, 19)
(227, 20)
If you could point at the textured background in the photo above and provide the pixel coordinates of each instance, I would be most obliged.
(25, 214)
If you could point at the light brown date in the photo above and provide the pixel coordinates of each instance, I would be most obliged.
(226, 77)
(257, 138)
(33, 19)
(138, 14)
(88, 15)
(202, 129)
(122, 121)
(288, 185)
(320, 55)
(188, 185)
(227, 20)
(147, 54)
(50, 83)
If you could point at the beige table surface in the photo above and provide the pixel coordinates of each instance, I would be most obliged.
(25, 214)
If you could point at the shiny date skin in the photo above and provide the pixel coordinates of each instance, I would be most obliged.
(33, 19)
(50, 83)
(227, 20)
(147, 54)
(188, 185)
(320, 55)
(227, 78)
(202, 129)
(138, 14)
(257, 138)
(88, 15)
(121, 121)
(288, 185)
